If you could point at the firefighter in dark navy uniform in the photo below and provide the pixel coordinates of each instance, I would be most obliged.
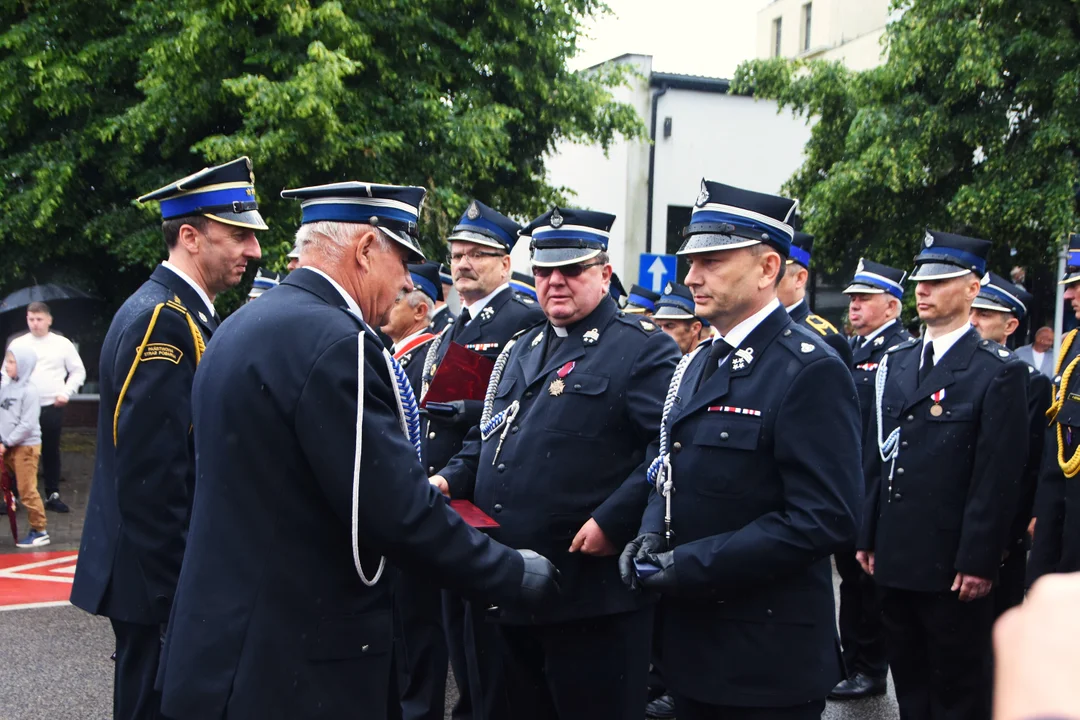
(443, 314)
(572, 405)
(874, 296)
(757, 482)
(675, 316)
(136, 520)
(1056, 546)
(410, 321)
(282, 608)
(944, 461)
(479, 250)
(996, 313)
(792, 294)
(641, 301)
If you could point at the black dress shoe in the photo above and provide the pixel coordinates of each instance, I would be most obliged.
(859, 685)
(662, 707)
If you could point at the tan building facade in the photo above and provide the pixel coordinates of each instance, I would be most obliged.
(847, 30)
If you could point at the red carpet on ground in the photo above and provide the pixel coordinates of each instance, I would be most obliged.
(36, 579)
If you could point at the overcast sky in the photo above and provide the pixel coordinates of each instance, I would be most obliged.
(692, 37)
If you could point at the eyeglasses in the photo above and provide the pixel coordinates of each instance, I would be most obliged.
(473, 256)
(569, 271)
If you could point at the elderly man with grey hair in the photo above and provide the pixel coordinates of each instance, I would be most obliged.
(410, 320)
(310, 485)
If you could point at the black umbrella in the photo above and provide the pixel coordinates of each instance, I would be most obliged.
(48, 293)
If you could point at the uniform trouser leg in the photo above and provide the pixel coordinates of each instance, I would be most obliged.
(454, 611)
(485, 665)
(1009, 590)
(862, 636)
(579, 670)
(694, 710)
(423, 689)
(939, 650)
(138, 649)
(656, 684)
(52, 420)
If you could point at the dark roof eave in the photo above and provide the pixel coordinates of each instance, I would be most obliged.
(689, 82)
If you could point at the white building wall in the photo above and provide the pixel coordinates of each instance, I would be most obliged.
(730, 139)
(847, 30)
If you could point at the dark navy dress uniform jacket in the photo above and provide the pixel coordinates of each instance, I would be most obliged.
(271, 618)
(570, 456)
(765, 457)
(144, 472)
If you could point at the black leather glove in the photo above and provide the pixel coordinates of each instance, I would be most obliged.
(635, 549)
(664, 579)
(540, 583)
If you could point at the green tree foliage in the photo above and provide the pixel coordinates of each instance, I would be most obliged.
(971, 125)
(104, 100)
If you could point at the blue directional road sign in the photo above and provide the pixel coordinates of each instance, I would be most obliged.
(656, 271)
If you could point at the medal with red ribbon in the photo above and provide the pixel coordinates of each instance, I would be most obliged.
(557, 385)
(936, 408)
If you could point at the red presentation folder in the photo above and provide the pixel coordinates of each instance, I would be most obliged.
(462, 375)
(473, 515)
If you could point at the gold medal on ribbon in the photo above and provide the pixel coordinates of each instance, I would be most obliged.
(556, 388)
(936, 410)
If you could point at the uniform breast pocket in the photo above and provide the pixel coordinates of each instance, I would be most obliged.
(504, 394)
(1070, 411)
(724, 450)
(579, 406)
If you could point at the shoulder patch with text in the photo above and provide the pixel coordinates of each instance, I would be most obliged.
(162, 351)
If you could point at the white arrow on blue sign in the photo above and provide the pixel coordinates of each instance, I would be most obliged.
(655, 271)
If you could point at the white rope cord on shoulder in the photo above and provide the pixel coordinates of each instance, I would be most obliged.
(888, 448)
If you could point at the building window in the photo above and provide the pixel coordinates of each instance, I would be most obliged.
(776, 25)
(806, 26)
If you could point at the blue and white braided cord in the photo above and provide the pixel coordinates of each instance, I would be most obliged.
(406, 398)
(653, 475)
(489, 424)
(888, 448)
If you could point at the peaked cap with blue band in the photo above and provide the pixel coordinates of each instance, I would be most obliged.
(568, 236)
(873, 278)
(394, 209)
(523, 283)
(945, 255)
(444, 275)
(641, 300)
(264, 280)
(802, 244)
(1072, 262)
(725, 218)
(616, 289)
(225, 193)
(425, 277)
(677, 303)
(485, 226)
(1003, 295)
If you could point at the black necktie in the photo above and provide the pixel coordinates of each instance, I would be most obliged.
(460, 323)
(858, 343)
(927, 362)
(719, 350)
(464, 317)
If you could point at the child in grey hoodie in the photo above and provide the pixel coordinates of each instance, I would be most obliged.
(20, 438)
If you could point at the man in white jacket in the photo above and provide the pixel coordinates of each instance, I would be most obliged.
(58, 375)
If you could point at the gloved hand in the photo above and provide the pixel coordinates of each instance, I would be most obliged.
(540, 583)
(651, 543)
(663, 580)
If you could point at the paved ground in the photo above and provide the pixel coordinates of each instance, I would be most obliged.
(54, 662)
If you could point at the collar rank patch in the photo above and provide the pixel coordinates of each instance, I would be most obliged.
(202, 316)
(741, 358)
(806, 348)
(591, 336)
(487, 312)
(879, 340)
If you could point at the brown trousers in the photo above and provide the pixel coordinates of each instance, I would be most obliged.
(23, 461)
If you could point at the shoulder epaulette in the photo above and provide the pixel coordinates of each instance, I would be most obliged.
(910, 342)
(524, 300)
(643, 324)
(998, 351)
(803, 344)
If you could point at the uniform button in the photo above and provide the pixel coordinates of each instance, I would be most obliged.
(903, 443)
(899, 471)
(498, 508)
(364, 648)
(577, 386)
(528, 394)
(431, 436)
(724, 436)
(431, 470)
(769, 612)
(677, 447)
(909, 418)
(502, 467)
(513, 430)
(948, 413)
(866, 379)
(898, 497)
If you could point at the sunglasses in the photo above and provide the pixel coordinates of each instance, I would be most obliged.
(569, 271)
